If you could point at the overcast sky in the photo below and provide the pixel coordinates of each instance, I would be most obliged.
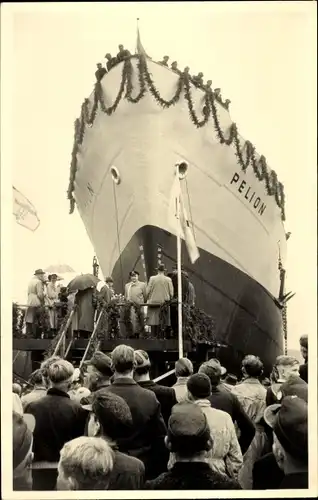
(262, 56)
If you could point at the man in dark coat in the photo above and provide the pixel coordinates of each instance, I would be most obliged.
(289, 421)
(189, 439)
(98, 372)
(303, 369)
(122, 54)
(58, 420)
(110, 61)
(100, 72)
(110, 418)
(222, 399)
(165, 395)
(146, 441)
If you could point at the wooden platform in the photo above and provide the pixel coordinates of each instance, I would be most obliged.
(149, 345)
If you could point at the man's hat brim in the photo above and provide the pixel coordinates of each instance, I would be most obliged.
(270, 414)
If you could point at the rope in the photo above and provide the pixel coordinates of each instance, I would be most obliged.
(118, 239)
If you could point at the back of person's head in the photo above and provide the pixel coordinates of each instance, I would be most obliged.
(99, 367)
(213, 370)
(183, 367)
(188, 431)
(36, 378)
(199, 386)
(45, 366)
(290, 426)
(123, 359)
(252, 366)
(110, 416)
(22, 441)
(17, 389)
(85, 464)
(142, 363)
(303, 341)
(60, 373)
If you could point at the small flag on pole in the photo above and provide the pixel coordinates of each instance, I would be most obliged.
(139, 47)
(24, 212)
(183, 226)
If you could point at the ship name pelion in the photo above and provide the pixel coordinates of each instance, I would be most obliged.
(249, 194)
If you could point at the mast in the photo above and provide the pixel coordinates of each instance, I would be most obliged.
(180, 337)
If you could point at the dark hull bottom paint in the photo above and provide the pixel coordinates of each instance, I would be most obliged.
(246, 317)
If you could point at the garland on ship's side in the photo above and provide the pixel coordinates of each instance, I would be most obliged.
(245, 153)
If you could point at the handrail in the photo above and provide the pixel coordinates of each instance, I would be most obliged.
(92, 338)
(161, 377)
(57, 347)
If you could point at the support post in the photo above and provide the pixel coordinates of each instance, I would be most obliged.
(180, 336)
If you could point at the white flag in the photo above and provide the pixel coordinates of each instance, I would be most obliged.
(24, 212)
(183, 226)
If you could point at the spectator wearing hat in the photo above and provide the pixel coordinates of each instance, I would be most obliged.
(164, 61)
(303, 369)
(230, 381)
(223, 399)
(146, 441)
(39, 390)
(35, 303)
(85, 463)
(159, 291)
(189, 439)
(250, 392)
(100, 72)
(58, 420)
(110, 419)
(225, 457)
(183, 370)
(285, 367)
(165, 395)
(22, 440)
(98, 372)
(174, 67)
(289, 422)
(136, 294)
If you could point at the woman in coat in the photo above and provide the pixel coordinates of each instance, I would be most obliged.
(51, 299)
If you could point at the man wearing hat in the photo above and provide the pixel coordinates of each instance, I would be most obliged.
(22, 441)
(159, 291)
(289, 421)
(110, 418)
(189, 439)
(98, 372)
(165, 395)
(35, 302)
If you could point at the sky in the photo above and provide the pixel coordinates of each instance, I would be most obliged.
(262, 55)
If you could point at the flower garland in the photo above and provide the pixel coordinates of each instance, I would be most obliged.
(246, 153)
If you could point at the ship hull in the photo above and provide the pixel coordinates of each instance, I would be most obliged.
(246, 317)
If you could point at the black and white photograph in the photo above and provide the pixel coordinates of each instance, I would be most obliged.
(158, 250)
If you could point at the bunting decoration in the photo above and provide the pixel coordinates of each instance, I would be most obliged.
(245, 152)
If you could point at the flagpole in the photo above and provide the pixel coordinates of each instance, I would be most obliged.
(180, 336)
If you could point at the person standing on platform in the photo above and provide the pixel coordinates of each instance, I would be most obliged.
(85, 312)
(35, 303)
(136, 293)
(159, 291)
(52, 297)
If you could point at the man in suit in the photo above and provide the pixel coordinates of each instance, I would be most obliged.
(165, 395)
(159, 291)
(146, 441)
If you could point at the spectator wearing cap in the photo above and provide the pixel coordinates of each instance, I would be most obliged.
(289, 421)
(183, 370)
(39, 390)
(165, 395)
(85, 463)
(98, 372)
(223, 399)
(22, 440)
(250, 392)
(285, 367)
(123, 54)
(164, 61)
(189, 439)
(225, 457)
(110, 419)
(100, 72)
(136, 293)
(303, 369)
(146, 441)
(111, 61)
(58, 420)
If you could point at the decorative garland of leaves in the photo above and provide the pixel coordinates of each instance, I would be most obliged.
(246, 153)
(18, 315)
